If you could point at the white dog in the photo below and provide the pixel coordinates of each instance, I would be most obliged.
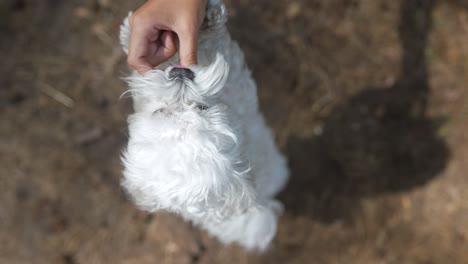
(198, 145)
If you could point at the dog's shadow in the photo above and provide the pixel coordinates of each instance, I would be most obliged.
(379, 141)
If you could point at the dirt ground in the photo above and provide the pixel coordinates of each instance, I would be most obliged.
(368, 100)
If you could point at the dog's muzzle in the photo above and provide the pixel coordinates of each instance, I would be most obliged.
(181, 73)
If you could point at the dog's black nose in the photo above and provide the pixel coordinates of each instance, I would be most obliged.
(181, 73)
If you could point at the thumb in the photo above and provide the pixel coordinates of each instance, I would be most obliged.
(188, 49)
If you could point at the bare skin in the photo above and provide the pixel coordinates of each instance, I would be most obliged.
(160, 27)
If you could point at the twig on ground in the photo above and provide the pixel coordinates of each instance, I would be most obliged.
(57, 95)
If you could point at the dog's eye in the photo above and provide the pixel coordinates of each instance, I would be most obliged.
(160, 110)
(202, 107)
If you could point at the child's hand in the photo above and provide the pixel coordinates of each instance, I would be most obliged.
(158, 25)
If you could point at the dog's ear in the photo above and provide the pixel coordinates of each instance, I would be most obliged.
(125, 32)
(215, 15)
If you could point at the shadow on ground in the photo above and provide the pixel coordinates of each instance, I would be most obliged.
(379, 141)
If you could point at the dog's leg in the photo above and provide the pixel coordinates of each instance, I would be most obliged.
(268, 164)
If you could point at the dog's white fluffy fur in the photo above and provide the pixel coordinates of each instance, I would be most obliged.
(201, 148)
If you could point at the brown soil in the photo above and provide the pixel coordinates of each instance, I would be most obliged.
(368, 100)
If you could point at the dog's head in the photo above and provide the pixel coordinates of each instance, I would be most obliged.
(178, 101)
(183, 147)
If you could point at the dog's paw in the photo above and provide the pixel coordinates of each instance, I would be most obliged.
(260, 228)
(254, 230)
